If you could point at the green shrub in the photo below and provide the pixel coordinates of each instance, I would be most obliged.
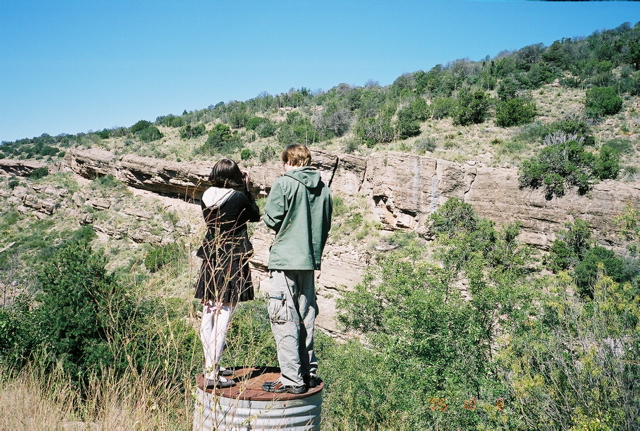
(77, 295)
(570, 353)
(570, 246)
(13, 182)
(267, 129)
(425, 145)
(38, 173)
(104, 134)
(268, 154)
(254, 122)
(571, 82)
(297, 129)
(84, 322)
(407, 125)
(571, 128)
(586, 272)
(442, 107)
(515, 112)
(158, 256)
(453, 217)
(602, 101)
(149, 134)
(20, 333)
(567, 164)
(350, 146)
(140, 125)
(108, 182)
(472, 107)
(170, 121)
(507, 90)
(245, 154)
(608, 164)
(189, 131)
(221, 138)
(415, 323)
(374, 130)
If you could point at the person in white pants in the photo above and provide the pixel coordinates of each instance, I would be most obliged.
(225, 276)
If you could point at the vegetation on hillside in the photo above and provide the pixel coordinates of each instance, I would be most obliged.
(458, 333)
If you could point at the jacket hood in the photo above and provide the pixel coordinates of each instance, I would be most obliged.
(306, 175)
(215, 196)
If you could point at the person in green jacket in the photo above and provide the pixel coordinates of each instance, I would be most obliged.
(299, 210)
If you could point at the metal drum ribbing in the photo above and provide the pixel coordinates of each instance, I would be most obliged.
(247, 407)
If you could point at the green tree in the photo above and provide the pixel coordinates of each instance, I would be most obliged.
(472, 107)
(597, 261)
(407, 124)
(442, 107)
(140, 125)
(515, 112)
(77, 298)
(335, 121)
(220, 138)
(297, 129)
(189, 131)
(374, 130)
(558, 166)
(602, 101)
(507, 90)
(608, 165)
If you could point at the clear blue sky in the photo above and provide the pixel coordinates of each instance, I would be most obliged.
(70, 66)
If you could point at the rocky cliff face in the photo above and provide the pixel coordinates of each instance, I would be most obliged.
(402, 190)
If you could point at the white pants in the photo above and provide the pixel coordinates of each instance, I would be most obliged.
(213, 333)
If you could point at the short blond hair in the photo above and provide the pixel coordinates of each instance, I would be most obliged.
(296, 155)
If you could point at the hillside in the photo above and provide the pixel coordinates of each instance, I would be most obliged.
(501, 181)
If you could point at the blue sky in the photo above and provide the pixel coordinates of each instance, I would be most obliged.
(70, 66)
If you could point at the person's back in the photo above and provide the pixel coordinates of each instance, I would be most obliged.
(299, 210)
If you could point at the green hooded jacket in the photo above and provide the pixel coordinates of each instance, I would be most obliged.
(299, 210)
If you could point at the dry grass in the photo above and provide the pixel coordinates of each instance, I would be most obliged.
(33, 400)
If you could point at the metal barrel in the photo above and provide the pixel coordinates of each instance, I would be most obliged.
(247, 407)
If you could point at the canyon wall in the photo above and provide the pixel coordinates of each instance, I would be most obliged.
(401, 191)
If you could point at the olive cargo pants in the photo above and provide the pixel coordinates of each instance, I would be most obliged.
(292, 311)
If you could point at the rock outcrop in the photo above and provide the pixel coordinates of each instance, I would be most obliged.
(21, 168)
(402, 189)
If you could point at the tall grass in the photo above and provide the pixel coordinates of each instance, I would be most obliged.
(37, 399)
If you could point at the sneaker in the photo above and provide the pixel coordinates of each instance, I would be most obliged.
(225, 372)
(279, 388)
(312, 380)
(219, 383)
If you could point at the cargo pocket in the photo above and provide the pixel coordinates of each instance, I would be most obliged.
(278, 308)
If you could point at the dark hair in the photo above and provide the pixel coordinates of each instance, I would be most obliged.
(226, 174)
